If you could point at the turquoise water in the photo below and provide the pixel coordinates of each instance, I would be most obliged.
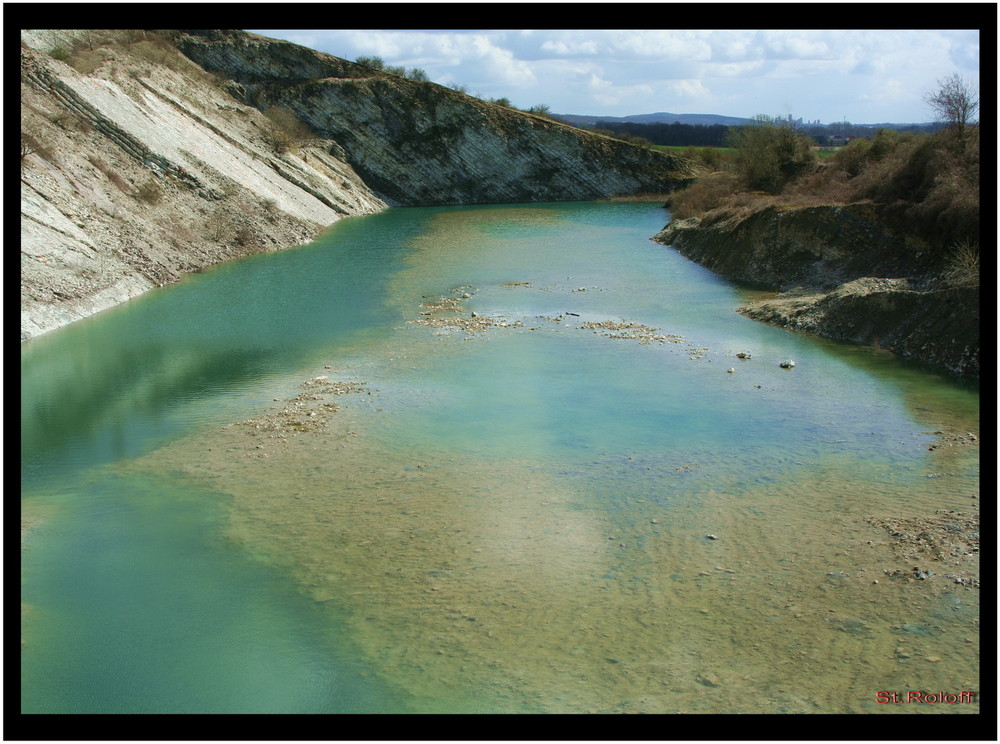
(510, 505)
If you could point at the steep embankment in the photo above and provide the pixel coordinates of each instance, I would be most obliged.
(140, 164)
(848, 272)
(418, 143)
(137, 168)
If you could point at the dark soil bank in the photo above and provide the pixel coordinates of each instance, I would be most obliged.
(845, 274)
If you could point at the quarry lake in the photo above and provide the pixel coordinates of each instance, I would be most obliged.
(488, 459)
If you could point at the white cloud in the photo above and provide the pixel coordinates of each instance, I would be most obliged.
(815, 74)
(565, 49)
(794, 44)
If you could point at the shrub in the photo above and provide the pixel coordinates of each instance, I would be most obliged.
(862, 152)
(963, 265)
(769, 154)
(218, 227)
(270, 209)
(376, 63)
(284, 131)
(823, 186)
(707, 193)
(244, 237)
(934, 182)
(85, 61)
(150, 193)
(713, 157)
(30, 145)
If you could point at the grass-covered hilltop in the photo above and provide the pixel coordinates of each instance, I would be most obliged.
(149, 154)
(876, 245)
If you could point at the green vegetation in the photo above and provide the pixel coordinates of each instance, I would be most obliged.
(769, 154)
(717, 158)
(927, 185)
(631, 139)
(377, 63)
(675, 134)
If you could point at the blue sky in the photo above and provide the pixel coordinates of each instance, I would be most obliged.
(863, 76)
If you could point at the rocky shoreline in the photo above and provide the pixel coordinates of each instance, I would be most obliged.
(842, 274)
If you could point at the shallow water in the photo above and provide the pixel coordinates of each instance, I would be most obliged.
(506, 513)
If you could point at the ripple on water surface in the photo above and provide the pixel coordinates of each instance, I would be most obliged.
(566, 504)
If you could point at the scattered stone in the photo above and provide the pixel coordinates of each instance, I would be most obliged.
(948, 538)
(447, 312)
(952, 440)
(711, 537)
(742, 355)
(709, 680)
(631, 331)
(731, 370)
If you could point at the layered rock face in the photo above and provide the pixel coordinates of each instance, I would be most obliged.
(786, 247)
(418, 143)
(141, 163)
(847, 273)
(134, 172)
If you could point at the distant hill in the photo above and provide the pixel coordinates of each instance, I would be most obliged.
(664, 117)
(661, 117)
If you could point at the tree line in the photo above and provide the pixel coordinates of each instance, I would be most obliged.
(720, 135)
(677, 134)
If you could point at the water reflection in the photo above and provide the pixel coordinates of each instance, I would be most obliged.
(516, 518)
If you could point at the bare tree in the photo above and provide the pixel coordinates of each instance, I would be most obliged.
(956, 102)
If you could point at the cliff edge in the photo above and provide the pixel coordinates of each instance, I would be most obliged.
(419, 143)
(136, 168)
(146, 155)
(847, 272)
